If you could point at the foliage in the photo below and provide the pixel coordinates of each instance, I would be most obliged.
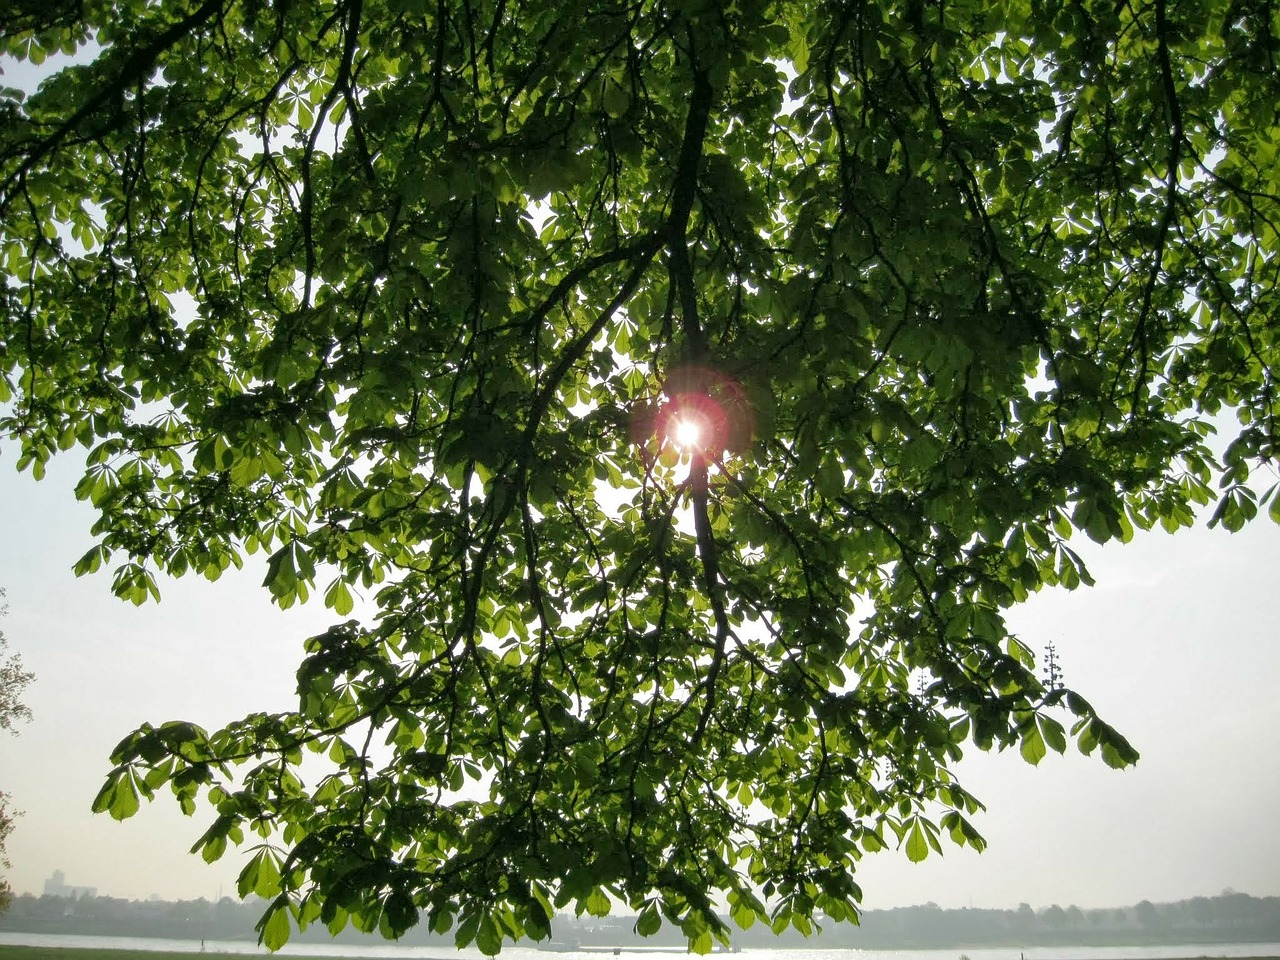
(13, 680)
(7, 817)
(407, 295)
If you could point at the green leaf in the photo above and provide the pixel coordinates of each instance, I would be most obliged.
(118, 796)
(274, 929)
(248, 878)
(1054, 735)
(467, 930)
(261, 876)
(648, 922)
(338, 598)
(1032, 747)
(400, 911)
(597, 903)
(488, 937)
(917, 843)
(338, 922)
(213, 849)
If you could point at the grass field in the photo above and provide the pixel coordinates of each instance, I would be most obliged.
(8, 952)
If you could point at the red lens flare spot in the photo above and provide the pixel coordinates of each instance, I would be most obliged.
(693, 422)
(700, 411)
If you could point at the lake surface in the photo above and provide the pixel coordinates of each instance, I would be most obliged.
(391, 950)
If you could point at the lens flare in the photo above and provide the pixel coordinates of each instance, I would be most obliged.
(700, 412)
(692, 423)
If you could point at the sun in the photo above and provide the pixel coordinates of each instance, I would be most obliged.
(702, 421)
(687, 432)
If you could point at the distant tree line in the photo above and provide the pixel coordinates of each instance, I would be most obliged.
(1230, 917)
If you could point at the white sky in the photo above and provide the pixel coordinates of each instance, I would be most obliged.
(1177, 647)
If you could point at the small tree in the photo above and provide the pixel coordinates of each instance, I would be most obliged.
(1055, 918)
(6, 827)
(13, 679)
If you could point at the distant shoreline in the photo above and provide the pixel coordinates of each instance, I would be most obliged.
(1232, 925)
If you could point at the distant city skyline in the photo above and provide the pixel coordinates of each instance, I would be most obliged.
(57, 886)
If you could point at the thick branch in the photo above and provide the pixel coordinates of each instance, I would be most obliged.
(682, 196)
(681, 272)
(1171, 194)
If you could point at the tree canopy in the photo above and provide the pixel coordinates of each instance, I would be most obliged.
(687, 388)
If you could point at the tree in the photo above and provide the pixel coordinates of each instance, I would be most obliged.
(6, 828)
(1148, 915)
(13, 680)
(1024, 918)
(689, 388)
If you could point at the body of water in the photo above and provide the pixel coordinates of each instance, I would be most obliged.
(1210, 951)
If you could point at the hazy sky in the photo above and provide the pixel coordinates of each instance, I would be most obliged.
(1177, 647)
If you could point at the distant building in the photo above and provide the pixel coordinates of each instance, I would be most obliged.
(57, 886)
